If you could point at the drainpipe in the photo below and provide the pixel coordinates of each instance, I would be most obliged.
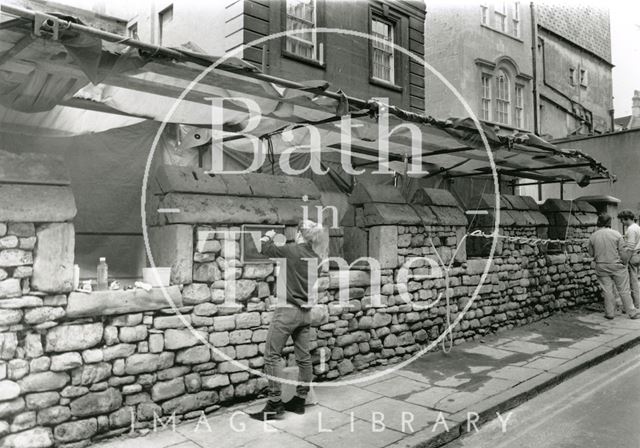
(534, 61)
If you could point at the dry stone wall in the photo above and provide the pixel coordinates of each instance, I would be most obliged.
(76, 368)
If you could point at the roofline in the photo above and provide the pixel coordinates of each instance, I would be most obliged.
(608, 134)
(570, 42)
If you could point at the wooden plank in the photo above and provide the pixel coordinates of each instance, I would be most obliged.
(257, 25)
(33, 168)
(106, 303)
(415, 68)
(417, 35)
(36, 203)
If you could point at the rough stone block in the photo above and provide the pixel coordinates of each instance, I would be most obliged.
(164, 390)
(176, 339)
(90, 374)
(43, 381)
(434, 196)
(100, 303)
(10, 317)
(54, 257)
(36, 203)
(199, 208)
(38, 437)
(10, 288)
(172, 246)
(43, 314)
(148, 362)
(15, 257)
(194, 355)
(9, 390)
(96, 403)
(383, 245)
(190, 402)
(73, 337)
(33, 168)
(196, 293)
(76, 430)
(556, 205)
(449, 216)
(66, 361)
(377, 214)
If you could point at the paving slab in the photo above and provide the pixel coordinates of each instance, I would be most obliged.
(395, 414)
(527, 347)
(516, 373)
(314, 420)
(486, 350)
(345, 397)
(396, 386)
(458, 401)
(356, 435)
(430, 396)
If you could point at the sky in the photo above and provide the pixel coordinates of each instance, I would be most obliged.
(625, 48)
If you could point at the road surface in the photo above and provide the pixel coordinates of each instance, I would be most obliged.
(599, 408)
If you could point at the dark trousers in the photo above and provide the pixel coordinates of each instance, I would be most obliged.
(295, 322)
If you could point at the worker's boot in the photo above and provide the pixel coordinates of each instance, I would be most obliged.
(273, 410)
(296, 404)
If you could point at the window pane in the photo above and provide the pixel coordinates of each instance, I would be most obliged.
(382, 66)
(301, 17)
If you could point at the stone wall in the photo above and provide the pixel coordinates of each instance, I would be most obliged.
(36, 275)
(76, 368)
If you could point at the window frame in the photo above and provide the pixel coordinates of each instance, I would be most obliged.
(161, 23)
(488, 100)
(518, 106)
(516, 21)
(584, 77)
(503, 105)
(572, 76)
(318, 59)
(395, 21)
(484, 14)
(500, 17)
(132, 30)
(372, 44)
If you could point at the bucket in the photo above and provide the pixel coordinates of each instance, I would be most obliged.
(161, 276)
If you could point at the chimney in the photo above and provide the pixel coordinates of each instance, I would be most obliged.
(634, 122)
(635, 105)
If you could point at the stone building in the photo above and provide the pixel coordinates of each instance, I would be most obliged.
(563, 88)
(359, 67)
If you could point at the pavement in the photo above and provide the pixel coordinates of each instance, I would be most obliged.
(599, 407)
(428, 403)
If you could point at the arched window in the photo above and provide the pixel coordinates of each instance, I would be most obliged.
(503, 98)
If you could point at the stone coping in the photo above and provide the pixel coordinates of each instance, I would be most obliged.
(101, 303)
(176, 179)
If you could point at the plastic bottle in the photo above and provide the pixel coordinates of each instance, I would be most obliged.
(103, 275)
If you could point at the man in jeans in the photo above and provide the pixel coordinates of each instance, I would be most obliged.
(632, 240)
(605, 245)
(290, 319)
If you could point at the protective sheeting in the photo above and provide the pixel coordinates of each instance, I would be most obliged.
(91, 69)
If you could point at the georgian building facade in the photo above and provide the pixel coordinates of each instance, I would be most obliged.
(540, 68)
